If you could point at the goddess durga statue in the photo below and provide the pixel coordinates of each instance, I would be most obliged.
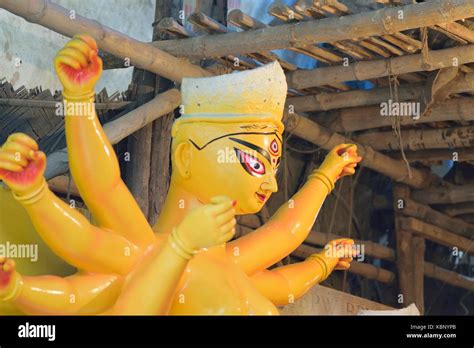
(187, 263)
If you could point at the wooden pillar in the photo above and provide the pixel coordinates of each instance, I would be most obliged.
(160, 171)
(137, 175)
(148, 173)
(418, 249)
(410, 253)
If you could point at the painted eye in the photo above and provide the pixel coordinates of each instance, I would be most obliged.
(251, 164)
(274, 148)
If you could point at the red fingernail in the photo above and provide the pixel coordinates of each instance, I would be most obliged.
(234, 203)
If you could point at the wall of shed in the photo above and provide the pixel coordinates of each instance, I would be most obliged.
(36, 46)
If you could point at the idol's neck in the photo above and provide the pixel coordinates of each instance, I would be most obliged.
(177, 204)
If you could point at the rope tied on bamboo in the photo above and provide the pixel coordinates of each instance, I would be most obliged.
(393, 84)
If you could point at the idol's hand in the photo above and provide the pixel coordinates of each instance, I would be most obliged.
(21, 164)
(9, 279)
(78, 66)
(340, 252)
(340, 161)
(208, 225)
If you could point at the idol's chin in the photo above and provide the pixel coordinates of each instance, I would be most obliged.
(249, 208)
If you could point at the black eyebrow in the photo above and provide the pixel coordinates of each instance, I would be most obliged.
(227, 135)
(253, 147)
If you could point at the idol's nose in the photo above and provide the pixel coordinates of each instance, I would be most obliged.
(270, 184)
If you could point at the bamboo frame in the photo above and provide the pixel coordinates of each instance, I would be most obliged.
(419, 139)
(379, 22)
(369, 117)
(327, 101)
(366, 70)
(437, 234)
(442, 195)
(321, 136)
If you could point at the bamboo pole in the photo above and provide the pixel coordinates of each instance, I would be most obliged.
(419, 139)
(368, 117)
(434, 217)
(458, 155)
(52, 104)
(363, 269)
(380, 22)
(444, 195)
(141, 54)
(437, 234)
(449, 277)
(405, 246)
(321, 136)
(459, 30)
(459, 209)
(419, 272)
(246, 22)
(366, 70)
(122, 127)
(327, 101)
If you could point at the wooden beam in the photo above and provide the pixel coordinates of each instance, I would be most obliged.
(464, 154)
(445, 195)
(366, 70)
(246, 22)
(419, 139)
(323, 137)
(416, 91)
(404, 240)
(437, 234)
(459, 30)
(363, 269)
(380, 22)
(141, 54)
(448, 277)
(434, 217)
(419, 272)
(369, 117)
(160, 166)
(370, 248)
(53, 104)
(121, 128)
(459, 209)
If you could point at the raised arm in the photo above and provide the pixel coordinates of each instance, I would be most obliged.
(50, 295)
(66, 231)
(94, 165)
(285, 284)
(291, 224)
(150, 290)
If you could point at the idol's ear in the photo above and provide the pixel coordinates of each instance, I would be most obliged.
(182, 159)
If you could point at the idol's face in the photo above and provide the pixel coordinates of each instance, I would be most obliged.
(240, 165)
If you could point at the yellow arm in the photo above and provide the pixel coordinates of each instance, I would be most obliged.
(77, 294)
(291, 224)
(283, 285)
(283, 233)
(94, 165)
(70, 235)
(150, 290)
